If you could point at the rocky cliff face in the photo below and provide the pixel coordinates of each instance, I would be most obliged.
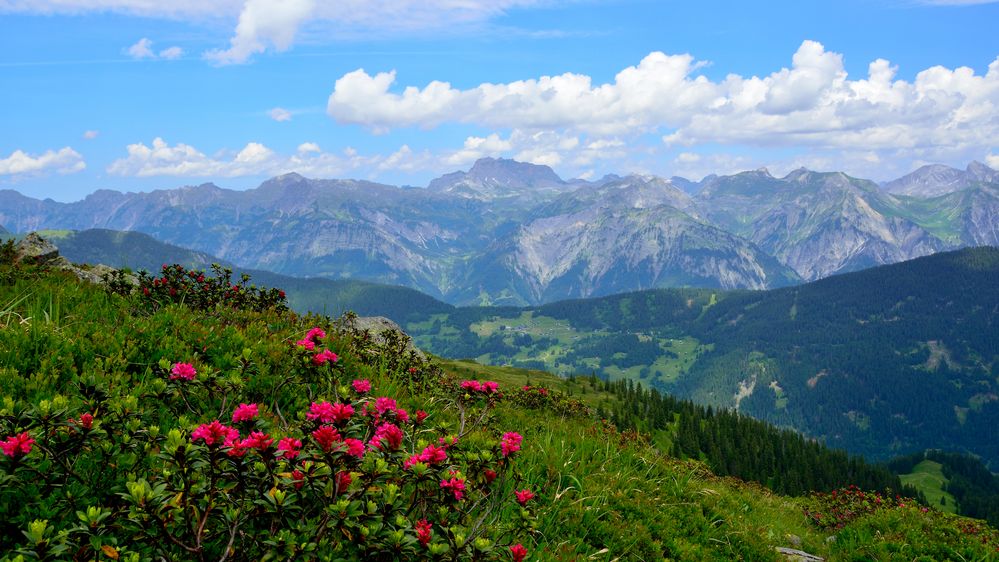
(509, 232)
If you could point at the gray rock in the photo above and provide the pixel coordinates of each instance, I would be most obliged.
(795, 540)
(830, 539)
(378, 324)
(795, 555)
(34, 249)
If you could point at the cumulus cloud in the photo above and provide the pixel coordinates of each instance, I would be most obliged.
(263, 23)
(62, 161)
(255, 159)
(813, 103)
(279, 114)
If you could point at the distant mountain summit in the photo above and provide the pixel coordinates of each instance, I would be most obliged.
(935, 180)
(492, 178)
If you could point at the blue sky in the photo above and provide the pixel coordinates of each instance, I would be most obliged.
(136, 95)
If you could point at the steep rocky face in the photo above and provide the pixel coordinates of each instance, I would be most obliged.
(492, 179)
(818, 223)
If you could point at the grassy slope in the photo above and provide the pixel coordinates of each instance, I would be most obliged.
(602, 496)
(929, 479)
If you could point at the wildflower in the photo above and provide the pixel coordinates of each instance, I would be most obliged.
(315, 333)
(511, 443)
(325, 356)
(298, 478)
(17, 445)
(87, 421)
(361, 386)
(355, 447)
(308, 345)
(215, 434)
(290, 446)
(184, 371)
(524, 496)
(434, 455)
(244, 412)
(473, 386)
(330, 413)
(236, 448)
(257, 440)
(456, 486)
(490, 387)
(387, 433)
(420, 416)
(424, 530)
(343, 480)
(490, 475)
(518, 552)
(326, 436)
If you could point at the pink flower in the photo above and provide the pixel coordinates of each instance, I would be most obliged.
(244, 412)
(236, 448)
(412, 461)
(257, 440)
(87, 421)
(355, 447)
(424, 531)
(434, 455)
(184, 371)
(326, 436)
(298, 478)
(308, 345)
(330, 413)
(17, 445)
(420, 416)
(473, 386)
(343, 480)
(315, 333)
(290, 446)
(518, 552)
(215, 434)
(490, 387)
(524, 496)
(490, 475)
(511, 443)
(456, 486)
(323, 356)
(387, 433)
(361, 386)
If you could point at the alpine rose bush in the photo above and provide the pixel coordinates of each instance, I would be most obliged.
(321, 467)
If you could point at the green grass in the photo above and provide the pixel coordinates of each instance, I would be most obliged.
(928, 478)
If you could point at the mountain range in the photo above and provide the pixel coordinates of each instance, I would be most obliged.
(512, 233)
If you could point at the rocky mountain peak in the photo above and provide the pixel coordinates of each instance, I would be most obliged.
(980, 172)
(931, 180)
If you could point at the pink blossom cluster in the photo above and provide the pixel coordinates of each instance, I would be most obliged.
(216, 433)
(330, 413)
(485, 387)
(518, 552)
(424, 531)
(510, 443)
(383, 407)
(455, 485)
(361, 386)
(183, 371)
(245, 412)
(539, 389)
(17, 445)
(386, 434)
(431, 455)
(524, 496)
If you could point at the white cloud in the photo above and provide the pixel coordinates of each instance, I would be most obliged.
(142, 49)
(91, 134)
(992, 161)
(172, 53)
(941, 114)
(263, 23)
(309, 147)
(279, 114)
(62, 161)
(270, 24)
